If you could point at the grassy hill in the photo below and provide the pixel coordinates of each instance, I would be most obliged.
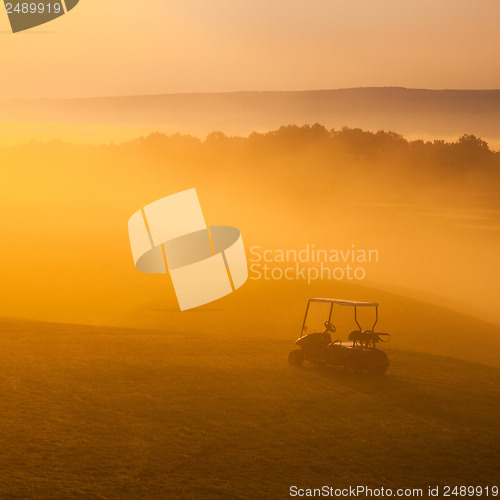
(275, 310)
(96, 412)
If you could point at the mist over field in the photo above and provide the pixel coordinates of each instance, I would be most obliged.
(429, 209)
(157, 403)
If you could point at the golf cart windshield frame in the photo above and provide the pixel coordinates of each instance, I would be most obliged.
(340, 302)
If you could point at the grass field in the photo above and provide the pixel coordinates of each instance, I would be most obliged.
(94, 412)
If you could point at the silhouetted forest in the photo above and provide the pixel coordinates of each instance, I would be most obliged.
(314, 160)
(347, 158)
(467, 152)
(415, 113)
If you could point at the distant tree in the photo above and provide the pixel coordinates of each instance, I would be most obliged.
(473, 143)
(216, 138)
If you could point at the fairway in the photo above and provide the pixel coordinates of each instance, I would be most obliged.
(94, 412)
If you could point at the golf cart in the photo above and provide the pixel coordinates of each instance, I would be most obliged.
(357, 354)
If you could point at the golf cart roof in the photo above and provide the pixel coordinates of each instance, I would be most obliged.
(342, 302)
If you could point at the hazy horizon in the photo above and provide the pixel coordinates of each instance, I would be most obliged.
(183, 46)
(159, 93)
(415, 113)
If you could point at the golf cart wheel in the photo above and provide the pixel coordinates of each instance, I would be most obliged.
(351, 367)
(296, 357)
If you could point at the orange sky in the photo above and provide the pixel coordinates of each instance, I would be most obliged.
(120, 47)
